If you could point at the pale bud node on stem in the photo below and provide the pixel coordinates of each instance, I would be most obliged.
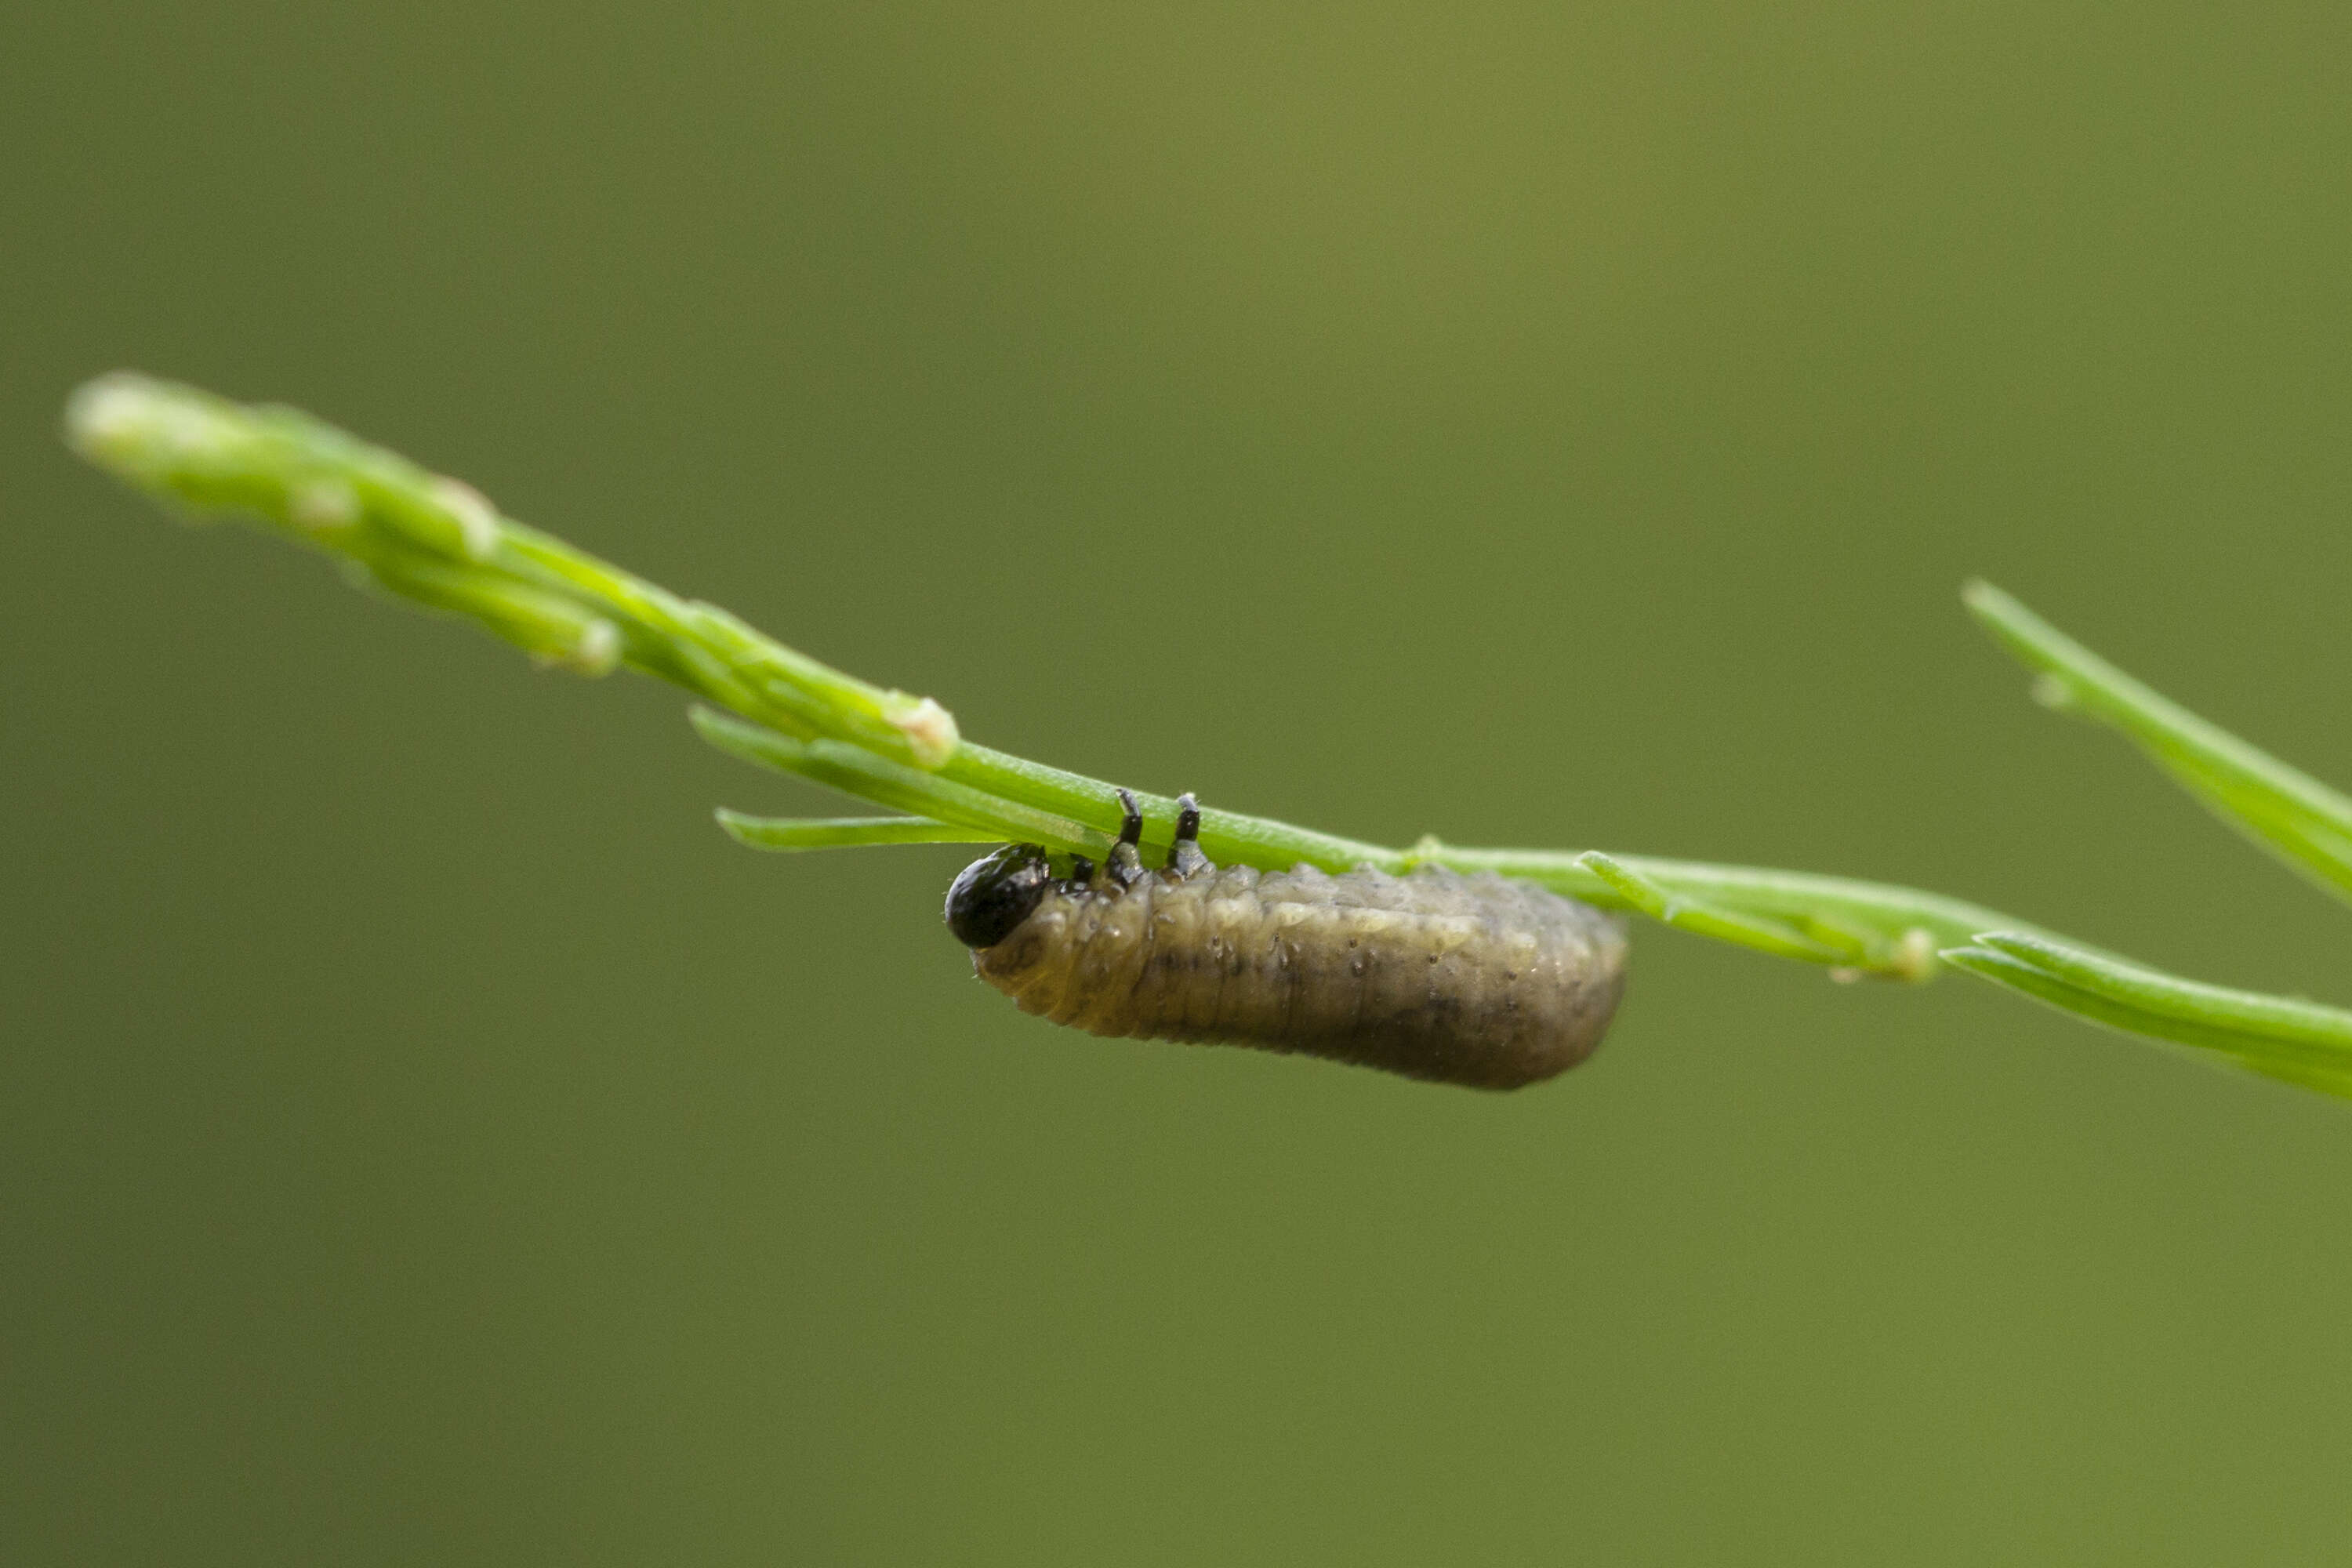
(129, 424)
(1912, 958)
(476, 520)
(323, 506)
(598, 648)
(929, 729)
(2052, 693)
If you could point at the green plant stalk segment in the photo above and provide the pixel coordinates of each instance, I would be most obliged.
(436, 544)
(2300, 820)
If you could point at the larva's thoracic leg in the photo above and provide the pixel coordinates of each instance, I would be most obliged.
(1185, 857)
(1082, 870)
(1126, 866)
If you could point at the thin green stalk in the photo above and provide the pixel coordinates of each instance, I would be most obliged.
(790, 832)
(2300, 1042)
(852, 770)
(1782, 939)
(434, 541)
(2301, 820)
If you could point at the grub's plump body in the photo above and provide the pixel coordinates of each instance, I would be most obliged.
(1467, 979)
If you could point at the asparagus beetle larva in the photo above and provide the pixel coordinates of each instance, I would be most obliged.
(1471, 979)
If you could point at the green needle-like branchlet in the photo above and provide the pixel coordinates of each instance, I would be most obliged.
(432, 540)
(2303, 821)
(845, 832)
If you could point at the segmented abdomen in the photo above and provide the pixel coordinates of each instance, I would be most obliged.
(1467, 979)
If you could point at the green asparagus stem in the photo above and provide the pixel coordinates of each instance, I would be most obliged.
(434, 541)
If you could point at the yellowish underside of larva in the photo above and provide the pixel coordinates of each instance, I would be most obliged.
(1468, 979)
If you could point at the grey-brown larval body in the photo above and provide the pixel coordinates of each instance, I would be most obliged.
(1462, 979)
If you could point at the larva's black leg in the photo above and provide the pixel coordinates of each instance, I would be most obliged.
(1082, 870)
(1124, 866)
(1185, 857)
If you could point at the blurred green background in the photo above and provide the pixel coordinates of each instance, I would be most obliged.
(425, 1138)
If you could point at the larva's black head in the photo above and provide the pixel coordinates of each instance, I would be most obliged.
(996, 893)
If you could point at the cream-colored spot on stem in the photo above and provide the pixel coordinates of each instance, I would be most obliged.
(929, 729)
(477, 518)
